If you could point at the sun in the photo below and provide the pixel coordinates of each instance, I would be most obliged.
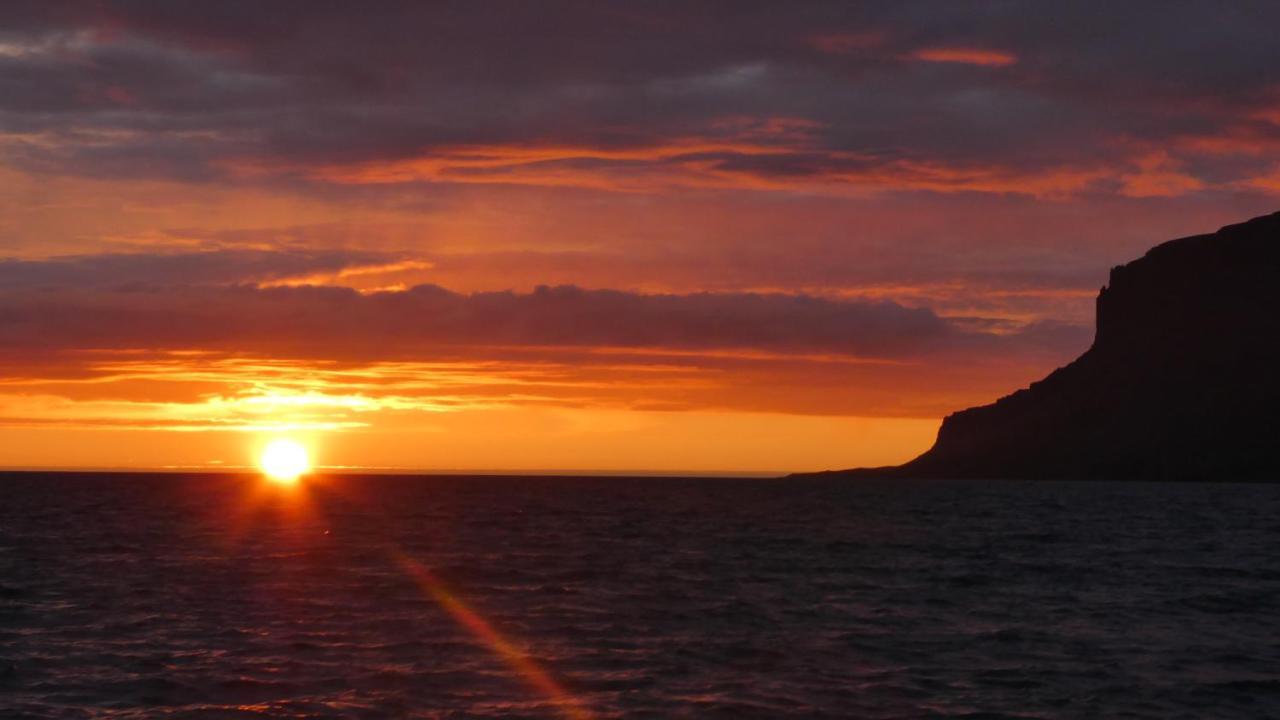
(284, 461)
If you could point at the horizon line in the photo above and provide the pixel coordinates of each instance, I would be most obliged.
(390, 471)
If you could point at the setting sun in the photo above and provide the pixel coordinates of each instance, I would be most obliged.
(284, 461)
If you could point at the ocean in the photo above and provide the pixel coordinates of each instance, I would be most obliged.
(204, 596)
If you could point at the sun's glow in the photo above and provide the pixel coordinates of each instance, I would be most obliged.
(284, 460)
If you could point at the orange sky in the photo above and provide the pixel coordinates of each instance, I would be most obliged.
(615, 238)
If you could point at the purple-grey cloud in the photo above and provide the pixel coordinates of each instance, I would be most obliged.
(189, 89)
(427, 319)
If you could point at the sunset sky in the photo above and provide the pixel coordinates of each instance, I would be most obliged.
(698, 236)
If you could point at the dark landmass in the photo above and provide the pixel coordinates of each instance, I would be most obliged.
(1182, 381)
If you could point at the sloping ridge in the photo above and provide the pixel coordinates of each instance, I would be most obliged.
(1182, 381)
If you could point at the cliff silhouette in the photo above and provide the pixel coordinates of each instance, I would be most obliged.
(1182, 381)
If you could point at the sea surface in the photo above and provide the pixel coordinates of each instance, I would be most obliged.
(204, 596)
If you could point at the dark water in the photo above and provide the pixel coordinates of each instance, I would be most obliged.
(205, 597)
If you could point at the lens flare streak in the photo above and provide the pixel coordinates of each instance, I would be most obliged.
(309, 512)
(517, 659)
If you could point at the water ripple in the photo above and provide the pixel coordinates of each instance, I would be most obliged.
(199, 597)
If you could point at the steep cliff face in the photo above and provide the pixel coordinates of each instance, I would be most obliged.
(1182, 381)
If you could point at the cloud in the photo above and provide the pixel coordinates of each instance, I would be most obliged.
(228, 340)
(320, 321)
(210, 267)
(298, 304)
(965, 56)
(241, 357)
(1158, 175)
(613, 97)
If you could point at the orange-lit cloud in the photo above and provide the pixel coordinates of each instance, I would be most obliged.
(374, 277)
(965, 56)
(1159, 175)
(1268, 182)
(711, 166)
